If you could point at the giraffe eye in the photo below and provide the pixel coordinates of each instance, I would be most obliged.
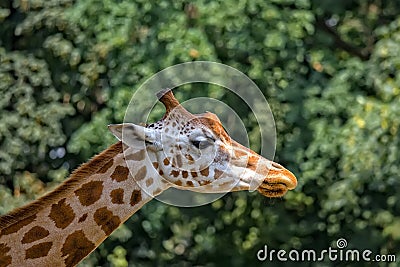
(201, 144)
(196, 143)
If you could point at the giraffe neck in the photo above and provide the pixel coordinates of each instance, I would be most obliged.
(64, 226)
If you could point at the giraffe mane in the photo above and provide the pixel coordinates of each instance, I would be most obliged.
(79, 174)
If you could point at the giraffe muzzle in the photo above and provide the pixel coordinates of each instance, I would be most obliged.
(278, 181)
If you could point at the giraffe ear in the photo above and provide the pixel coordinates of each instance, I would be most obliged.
(132, 134)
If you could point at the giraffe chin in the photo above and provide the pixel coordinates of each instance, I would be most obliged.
(272, 189)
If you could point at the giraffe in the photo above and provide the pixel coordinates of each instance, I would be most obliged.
(181, 150)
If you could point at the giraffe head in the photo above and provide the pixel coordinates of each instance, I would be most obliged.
(194, 152)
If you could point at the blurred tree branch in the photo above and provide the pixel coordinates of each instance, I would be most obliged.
(362, 53)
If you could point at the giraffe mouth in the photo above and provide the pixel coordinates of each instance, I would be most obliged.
(277, 187)
(278, 181)
(268, 189)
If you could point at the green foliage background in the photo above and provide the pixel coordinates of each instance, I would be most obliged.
(329, 69)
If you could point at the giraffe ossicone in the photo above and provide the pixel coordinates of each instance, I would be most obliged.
(182, 150)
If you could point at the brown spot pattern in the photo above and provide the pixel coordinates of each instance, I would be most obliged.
(13, 228)
(120, 173)
(90, 192)
(185, 174)
(117, 196)
(149, 182)
(204, 182)
(178, 183)
(62, 214)
(76, 247)
(141, 173)
(157, 191)
(175, 173)
(106, 220)
(82, 218)
(36, 233)
(189, 183)
(166, 161)
(194, 174)
(189, 157)
(106, 166)
(38, 251)
(155, 165)
(217, 173)
(239, 153)
(204, 171)
(138, 156)
(252, 163)
(5, 259)
(136, 197)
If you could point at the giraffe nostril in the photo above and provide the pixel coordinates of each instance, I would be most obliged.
(277, 166)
